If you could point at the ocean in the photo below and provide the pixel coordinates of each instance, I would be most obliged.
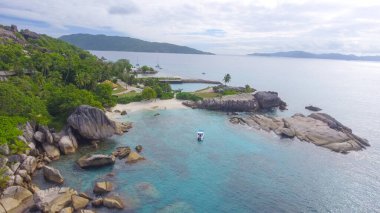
(236, 169)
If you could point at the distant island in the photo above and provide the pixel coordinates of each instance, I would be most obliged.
(118, 43)
(302, 54)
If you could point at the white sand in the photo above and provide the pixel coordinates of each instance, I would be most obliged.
(148, 105)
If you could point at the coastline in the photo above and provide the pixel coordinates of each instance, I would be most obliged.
(146, 105)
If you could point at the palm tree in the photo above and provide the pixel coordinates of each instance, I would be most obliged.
(227, 78)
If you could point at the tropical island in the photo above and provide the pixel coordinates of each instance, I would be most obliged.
(118, 43)
(57, 98)
(303, 54)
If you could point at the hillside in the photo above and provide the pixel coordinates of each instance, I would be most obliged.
(117, 43)
(302, 54)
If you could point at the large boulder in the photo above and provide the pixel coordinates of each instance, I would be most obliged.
(51, 151)
(4, 149)
(47, 134)
(268, 100)
(39, 136)
(231, 103)
(29, 164)
(79, 202)
(68, 143)
(96, 160)
(103, 187)
(16, 199)
(54, 199)
(91, 123)
(28, 132)
(53, 175)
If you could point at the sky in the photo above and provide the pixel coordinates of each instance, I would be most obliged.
(222, 27)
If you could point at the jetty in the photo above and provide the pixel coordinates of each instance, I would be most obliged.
(181, 81)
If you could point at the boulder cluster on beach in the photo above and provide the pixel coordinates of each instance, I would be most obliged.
(86, 124)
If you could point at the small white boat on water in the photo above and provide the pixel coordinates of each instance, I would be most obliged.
(200, 135)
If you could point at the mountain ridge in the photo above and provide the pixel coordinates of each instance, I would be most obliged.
(103, 42)
(303, 54)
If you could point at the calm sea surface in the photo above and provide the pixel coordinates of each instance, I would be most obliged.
(239, 170)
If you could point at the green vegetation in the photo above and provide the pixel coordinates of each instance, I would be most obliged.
(117, 43)
(3, 178)
(188, 96)
(9, 132)
(53, 78)
(146, 69)
(148, 93)
(227, 78)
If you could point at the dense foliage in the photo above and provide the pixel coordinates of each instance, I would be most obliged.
(148, 93)
(188, 96)
(9, 132)
(53, 78)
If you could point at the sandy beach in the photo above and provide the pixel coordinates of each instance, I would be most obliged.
(147, 105)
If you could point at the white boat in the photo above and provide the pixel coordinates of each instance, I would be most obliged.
(200, 135)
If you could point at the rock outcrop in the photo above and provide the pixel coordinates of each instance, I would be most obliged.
(103, 187)
(245, 102)
(133, 157)
(318, 128)
(54, 199)
(68, 143)
(16, 199)
(53, 175)
(236, 103)
(91, 123)
(113, 202)
(313, 108)
(96, 160)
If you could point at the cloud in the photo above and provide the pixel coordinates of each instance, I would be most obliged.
(123, 10)
(220, 26)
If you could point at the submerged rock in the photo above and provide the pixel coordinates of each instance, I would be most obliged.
(91, 123)
(133, 157)
(177, 207)
(147, 190)
(318, 128)
(138, 148)
(96, 160)
(113, 202)
(103, 187)
(53, 175)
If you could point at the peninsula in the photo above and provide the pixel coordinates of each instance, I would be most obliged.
(333, 56)
(119, 43)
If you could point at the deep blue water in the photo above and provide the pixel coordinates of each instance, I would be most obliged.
(240, 170)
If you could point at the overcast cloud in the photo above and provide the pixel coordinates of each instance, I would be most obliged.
(224, 26)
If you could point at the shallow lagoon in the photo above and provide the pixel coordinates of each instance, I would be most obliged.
(234, 169)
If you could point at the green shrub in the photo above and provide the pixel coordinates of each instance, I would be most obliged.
(129, 99)
(230, 92)
(167, 95)
(188, 96)
(103, 93)
(3, 178)
(9, 133)
(148, 93)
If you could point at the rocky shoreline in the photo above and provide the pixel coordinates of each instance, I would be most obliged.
(245, 102)
(85, 125)
(318, 128)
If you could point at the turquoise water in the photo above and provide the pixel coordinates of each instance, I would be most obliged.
(240, 170)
